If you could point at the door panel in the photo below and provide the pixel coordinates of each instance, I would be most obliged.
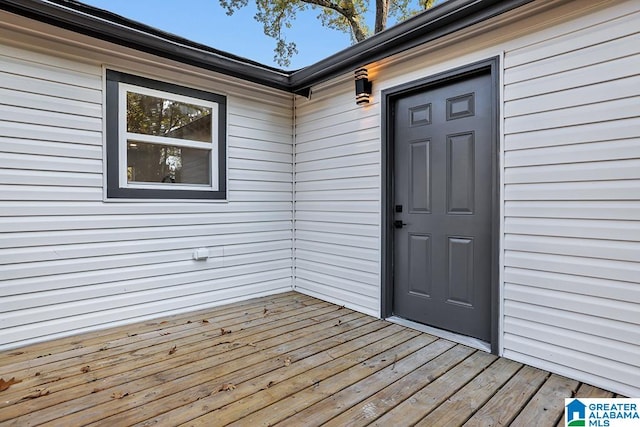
(460, 174)
(442, 139)
(420, 191)
(461, 275)
(420, 264)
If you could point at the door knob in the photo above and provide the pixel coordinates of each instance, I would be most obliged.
(398, 223)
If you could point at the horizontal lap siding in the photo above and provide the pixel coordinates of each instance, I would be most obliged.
(572, 202)
(71, 262)
(571, 295)
(337, 193)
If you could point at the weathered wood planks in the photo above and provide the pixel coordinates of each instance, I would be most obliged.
(285, 360)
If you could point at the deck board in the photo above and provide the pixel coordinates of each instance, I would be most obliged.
(547, 405)
(248, 375)
(588, 391)
(244, 408)
(188, 365)
(458, 408)
(426, 400)
(337, 403)
(505, 405)
(285, 360)
(325, 380)
(385, 399)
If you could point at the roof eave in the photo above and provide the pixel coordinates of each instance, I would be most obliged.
(153, 42)
(444, 19)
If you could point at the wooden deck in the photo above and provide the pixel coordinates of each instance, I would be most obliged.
(286, 360)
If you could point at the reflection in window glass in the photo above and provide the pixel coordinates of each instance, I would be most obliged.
(167, 164)
(151, 115)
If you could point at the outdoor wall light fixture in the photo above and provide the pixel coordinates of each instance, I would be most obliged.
(363, 86)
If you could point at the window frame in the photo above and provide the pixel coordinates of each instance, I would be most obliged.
(117, 185)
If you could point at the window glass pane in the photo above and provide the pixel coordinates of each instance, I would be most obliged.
(166, 164)
(150, 115)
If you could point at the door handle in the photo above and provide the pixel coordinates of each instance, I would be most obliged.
(399, 224)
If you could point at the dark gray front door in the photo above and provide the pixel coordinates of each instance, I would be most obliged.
(443, 206)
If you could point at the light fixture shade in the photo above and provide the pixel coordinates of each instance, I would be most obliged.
(363, 86)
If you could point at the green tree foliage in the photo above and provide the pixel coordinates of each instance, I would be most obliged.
(342, 15)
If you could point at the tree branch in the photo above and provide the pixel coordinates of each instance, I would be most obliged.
(349, 14)
(343, 15)
(382, 11)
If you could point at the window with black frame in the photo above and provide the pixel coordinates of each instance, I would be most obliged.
(164, 141)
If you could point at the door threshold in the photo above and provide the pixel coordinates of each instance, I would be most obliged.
(451, 336)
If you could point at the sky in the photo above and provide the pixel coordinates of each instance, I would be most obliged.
(205, 21)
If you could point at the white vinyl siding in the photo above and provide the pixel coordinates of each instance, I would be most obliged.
(337, 196)
(570, 156)
(572, 200)
(71, 262)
